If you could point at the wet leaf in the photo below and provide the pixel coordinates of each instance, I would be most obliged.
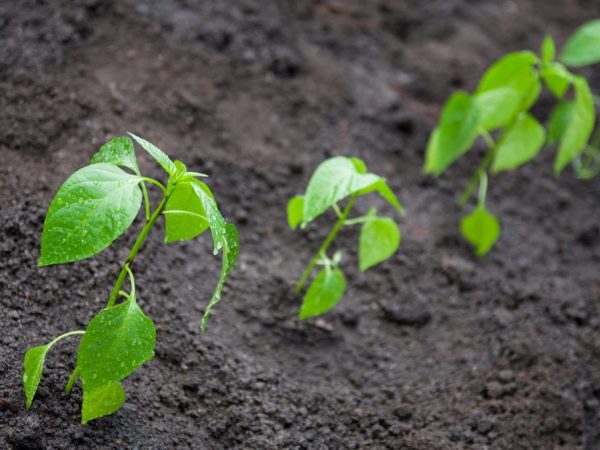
(379, 239)
(481, 229)
(324, 293)
(185, 217)
(118, 151)
(91, 209)
(583, 47)
(160, 156)
(32, 370)
(102, 401)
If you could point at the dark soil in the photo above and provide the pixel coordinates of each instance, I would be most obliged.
(433, 349)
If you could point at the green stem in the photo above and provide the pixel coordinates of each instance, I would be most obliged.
(332, 235)
(483, 185)
(146, 200)
(62, 336)
(127, 267)
(487, 160)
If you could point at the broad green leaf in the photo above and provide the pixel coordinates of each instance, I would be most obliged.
(118, 151)
(516, 71)
(32, 370)
(231, 246)
(185, 217)
(294, 211)
(379, 239)
(560, 117)
(583, 47)
(454, 135)
(519, 143)
(118, 340)
(557, 79)
(580, 127)
(382, 188)
(497, 107)
(90, 210)
(334, 179)
(102, 401)
(323, 294)
(160, 157)
(481, 229)
(548, 50)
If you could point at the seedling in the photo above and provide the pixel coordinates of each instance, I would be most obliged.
(498, 113)
(334, 181)
(91, 209)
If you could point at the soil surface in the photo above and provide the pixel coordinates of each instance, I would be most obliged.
(434, 349)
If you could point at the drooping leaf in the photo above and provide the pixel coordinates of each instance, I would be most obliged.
(481, 229)
(583, 47)
(580, 127)
(230, 253)
(118, 151)
(91, 209)
(294, 211)
(519, 143)
(497, 107)
(33, 365)
(548, 50)
(215, 219)
(382, 188)
(560, 117)
(557, 79)
(334, 179)
(516, 71)
(185, 217)
(457, 130)
(102, 401)
(160, 156)
(379, 239)
(324, 293)
(118, 340)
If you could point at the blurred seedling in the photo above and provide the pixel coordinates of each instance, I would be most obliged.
(498, 113)
(341, 179)
(93, 207)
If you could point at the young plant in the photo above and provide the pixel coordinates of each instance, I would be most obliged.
(335, 180)
(498, 113)
(92, 208)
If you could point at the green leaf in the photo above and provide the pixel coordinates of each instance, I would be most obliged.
(359, 164)
(519, 143)
(334, 179)
(185, 217)
(160, 156)
(324, 293)
(32, 370)
(379, 239)
(497, 107)
(118, 340)
(90, 210)
(557, 79)
(382, 188)
(231, 246)
(215, 219)
(580, 127)
(294, 211)
(560, 117)
(454, 135)
(583, 47)
(481, 229)
(118, 151)
(102, 402)
(516, 71)
(548, 50)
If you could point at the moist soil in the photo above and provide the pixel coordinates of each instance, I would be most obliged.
(434, 349)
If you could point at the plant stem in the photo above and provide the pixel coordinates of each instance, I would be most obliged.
(125, 269)
(483, 185)
(332, 235)
(487, 160)
(62, 336)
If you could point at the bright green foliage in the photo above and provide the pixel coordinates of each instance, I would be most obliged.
(519, 143)
(32, 370)
(455, 133)
(91, 209)
(481, 229)
(333, 181)
(379, 239)
(583, 47)
(498, 113)
(324, 293)
(294, 211)
(580, 126)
